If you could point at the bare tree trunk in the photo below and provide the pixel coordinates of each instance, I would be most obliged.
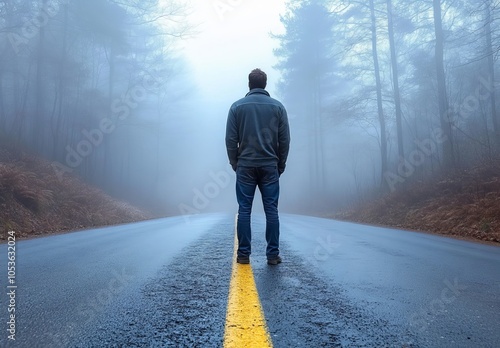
(38, 133)
(491, 70)
(56, 132)
(448, 150)
(20, 104)
(395, 78)
(380, 109)
(19, 92)
(313, 162)
(107, 162)
(320, 160)
(9, 63)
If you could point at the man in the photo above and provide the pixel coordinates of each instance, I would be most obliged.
(257, 142)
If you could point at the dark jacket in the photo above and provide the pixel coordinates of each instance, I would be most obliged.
(257, 132)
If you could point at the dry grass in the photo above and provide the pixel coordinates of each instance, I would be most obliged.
(463, 204)
(33, 201)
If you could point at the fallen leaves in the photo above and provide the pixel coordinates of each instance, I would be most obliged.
(465, 204)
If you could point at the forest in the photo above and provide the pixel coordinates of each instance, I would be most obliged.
(87, 84)
(380, 94)
(396, 91)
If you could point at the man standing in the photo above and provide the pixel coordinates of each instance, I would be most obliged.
(257, 142)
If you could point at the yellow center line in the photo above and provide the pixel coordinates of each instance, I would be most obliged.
(245, 323)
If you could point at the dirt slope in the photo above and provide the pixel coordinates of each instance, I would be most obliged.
(34, 201)
(464, 204)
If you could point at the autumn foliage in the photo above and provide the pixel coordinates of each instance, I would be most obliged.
(464, 203)
(34, 201)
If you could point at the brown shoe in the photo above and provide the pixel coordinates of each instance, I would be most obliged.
(244, 260)
(274, 260)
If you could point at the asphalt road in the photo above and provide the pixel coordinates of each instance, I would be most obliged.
(165, 283)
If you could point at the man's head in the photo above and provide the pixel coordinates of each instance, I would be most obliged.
(257, 79)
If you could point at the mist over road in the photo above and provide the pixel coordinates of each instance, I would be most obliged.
(164, 283)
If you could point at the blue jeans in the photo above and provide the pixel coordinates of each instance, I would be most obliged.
(267, 179)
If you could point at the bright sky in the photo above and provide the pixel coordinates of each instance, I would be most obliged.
(233, 39)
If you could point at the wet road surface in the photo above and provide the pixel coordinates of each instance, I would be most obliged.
(165, 283)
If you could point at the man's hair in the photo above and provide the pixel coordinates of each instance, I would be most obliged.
(257, 79)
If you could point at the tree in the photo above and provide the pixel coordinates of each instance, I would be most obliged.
(308, 69)
(488, 8)
(448, 151)
(395, 79)
(67, 67)
(40, 112)
(380, 108)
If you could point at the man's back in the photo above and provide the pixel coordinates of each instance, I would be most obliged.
(257, 132)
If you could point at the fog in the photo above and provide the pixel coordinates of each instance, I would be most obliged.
(133, 96)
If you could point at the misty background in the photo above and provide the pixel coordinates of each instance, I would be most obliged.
(132, 96)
